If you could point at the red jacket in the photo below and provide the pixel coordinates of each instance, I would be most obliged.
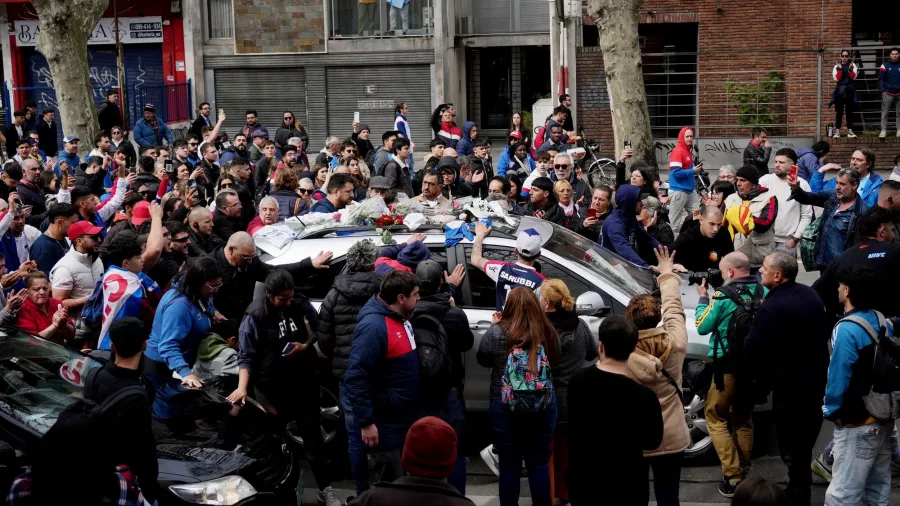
(34, 320)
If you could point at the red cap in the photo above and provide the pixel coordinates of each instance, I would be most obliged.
(80, 228)
(141, 213)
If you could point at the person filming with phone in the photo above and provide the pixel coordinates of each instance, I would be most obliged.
(793, 217)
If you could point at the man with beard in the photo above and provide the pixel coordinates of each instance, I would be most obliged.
(431, 189)
(73, 278)
(701, 246)
(202, 120)
(300, 143)
(889, 198)
(89, 207)
(563, 170)
(340, 194)
(238, 149)
(754, 231)
(51, 246)
(793, 217)
(202, 240)
(288, 161)
(174, 254)
(288, 129)
(543, 203)
(621, 231)
(253, 126)
(28, 190)
(257, 139)
(243, 186)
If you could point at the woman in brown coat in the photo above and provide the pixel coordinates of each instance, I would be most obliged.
(656, 363)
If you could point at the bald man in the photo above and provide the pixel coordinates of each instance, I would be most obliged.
(241, 269)
(203, 240)
(704, 242)
(726, 410)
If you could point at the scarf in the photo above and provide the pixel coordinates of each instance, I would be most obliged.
(568, 209)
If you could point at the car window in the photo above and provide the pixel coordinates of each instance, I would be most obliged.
(39, 379)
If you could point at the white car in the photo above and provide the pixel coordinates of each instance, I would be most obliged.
(601, 282)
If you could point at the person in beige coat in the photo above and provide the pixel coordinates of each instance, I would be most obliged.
(656, 363)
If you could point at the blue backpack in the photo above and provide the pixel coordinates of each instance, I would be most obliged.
(92, 311)
(523, 390)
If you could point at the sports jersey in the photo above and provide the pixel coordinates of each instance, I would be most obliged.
(508, 276)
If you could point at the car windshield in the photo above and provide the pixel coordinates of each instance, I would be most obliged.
(38, 379)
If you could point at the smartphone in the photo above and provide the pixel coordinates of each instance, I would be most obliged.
(168, 166)
(287, 348)
(592, 213)
(192, 184)
(627, 144)
(356, 117)
(132, 170)
(794, 171)
(221, 111)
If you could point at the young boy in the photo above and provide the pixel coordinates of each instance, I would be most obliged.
(483, 172)
(541, 169)
(129, 417)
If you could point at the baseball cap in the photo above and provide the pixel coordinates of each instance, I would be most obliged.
(80, 228)
(529, 243)
(380, 183)
(258, 133)
(70, 138)
(141, 213)
(430, 272)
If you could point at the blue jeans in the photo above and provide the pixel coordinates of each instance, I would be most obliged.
(862, 466)
(453, 411)
(527, 436)
(359, 461)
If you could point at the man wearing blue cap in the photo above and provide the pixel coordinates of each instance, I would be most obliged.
(69, 154)
(510, 275)
(150, 131)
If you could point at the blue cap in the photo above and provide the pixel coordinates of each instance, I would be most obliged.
(70, 138)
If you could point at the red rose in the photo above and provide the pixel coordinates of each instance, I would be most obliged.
(398, 220)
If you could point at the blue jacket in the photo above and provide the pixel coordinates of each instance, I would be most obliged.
(829, 202)
(72, 159)
(850, 371)
(505, 159)
(622, 227)
(145, 136)
(869, 194)
(178, 327)
(889, 77)
(464, 146)
(807, 163)
(382, 379)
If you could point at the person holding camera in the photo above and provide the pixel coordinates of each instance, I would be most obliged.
(728, 406)
(700, 247)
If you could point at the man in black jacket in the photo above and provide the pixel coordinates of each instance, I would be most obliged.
(91, 175)
(786, 352)
(28, 191)
(227, 219)
(129, 417)
(14, 132)
(277, 346)
(337, 315)
(758, 151)
(877, 251)
(241, 269)
(441, 306)
(203, 240)
(543, 203)
(397, 169)
(46, 129)
(704, 243)
(108, 114)
(202, 120)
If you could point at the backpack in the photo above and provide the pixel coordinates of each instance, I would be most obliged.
(522, 390)
(86, 408)
(808, 245)
(432, 346)
(541, 136)
(883, 399)
(92, 311)
(738, 328)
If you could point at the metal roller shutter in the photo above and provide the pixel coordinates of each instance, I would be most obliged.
(373, 91)
(269, 92)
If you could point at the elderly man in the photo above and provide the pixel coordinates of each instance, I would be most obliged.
(150, 130)
(564, 170)
(379, 186)
(268, 215)
(431, 189)
(300, 143)
(202, 238)
(754, 232)
(329, 154)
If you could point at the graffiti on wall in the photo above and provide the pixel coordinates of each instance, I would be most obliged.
(715, 152)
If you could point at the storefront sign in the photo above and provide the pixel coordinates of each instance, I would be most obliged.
(719, 151)
(143, 30)
(375, 104)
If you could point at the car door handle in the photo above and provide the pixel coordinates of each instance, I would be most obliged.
(481, 325)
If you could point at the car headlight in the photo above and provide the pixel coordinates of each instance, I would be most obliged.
(222, 491)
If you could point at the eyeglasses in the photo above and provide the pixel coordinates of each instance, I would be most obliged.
(350, 151)
(429, 183)
(248, 258)
(114, 132)
(561, 166)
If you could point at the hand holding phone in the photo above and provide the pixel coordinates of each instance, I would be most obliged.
(627, 144)
(794, 171)
(591, 212)
(287, 348)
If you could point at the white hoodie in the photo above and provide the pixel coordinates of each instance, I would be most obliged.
(793, 217)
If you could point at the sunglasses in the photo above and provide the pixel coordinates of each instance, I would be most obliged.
(193, 144)
(116, 132)
(288, 118)
(351, 151)
(182, 240)
(304, 191)
(227, 185)
(561, 166)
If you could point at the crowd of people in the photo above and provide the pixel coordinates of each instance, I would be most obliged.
(164, 233)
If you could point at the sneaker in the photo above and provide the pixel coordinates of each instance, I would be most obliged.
(898, 133)
(883, 134)
(821, 468)
(726, 488)
(491, 459)
(328, 497)
(850, 133)
(837, 133)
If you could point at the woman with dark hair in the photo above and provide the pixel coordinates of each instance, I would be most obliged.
(517, 124)
(524, 337)
(642, 178)
(515, 188)
(184, 315)
(520, 162)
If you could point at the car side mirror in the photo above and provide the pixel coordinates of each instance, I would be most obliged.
(590, 304)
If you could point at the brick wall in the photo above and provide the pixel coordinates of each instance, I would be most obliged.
(885, 150)
(741, 45)
(593, 98)
(282, 26)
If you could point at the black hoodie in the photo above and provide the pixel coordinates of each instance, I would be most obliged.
(551, 209)
(696, 252)
(338, 313)
(456, 324)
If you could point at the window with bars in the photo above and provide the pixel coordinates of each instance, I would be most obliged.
(221, 21)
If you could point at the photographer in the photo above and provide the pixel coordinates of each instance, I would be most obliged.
(704, 242)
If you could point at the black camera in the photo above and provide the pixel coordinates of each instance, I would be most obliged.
(713, 277)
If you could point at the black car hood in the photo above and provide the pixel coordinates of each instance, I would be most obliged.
(184, 463)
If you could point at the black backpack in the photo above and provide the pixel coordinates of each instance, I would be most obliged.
(86, 408)
(739, 327)
(432, 346)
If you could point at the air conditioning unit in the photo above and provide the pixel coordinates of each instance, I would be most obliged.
(466, 25)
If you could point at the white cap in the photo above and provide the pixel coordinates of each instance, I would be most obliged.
(529, 243)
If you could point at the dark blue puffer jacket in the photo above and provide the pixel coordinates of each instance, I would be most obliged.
(622, 225)
(464, 146)
(382, 378)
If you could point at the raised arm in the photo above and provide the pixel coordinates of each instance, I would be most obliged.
(481, 231)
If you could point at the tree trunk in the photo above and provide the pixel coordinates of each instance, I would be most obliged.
(617, 21)
(66, 27)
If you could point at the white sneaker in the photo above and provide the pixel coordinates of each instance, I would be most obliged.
(837, 133)
(491, 459)
(850, 133)
(328, 497)
(898, 133)
(883, 134)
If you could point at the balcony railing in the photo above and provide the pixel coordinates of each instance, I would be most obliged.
(379, 18)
